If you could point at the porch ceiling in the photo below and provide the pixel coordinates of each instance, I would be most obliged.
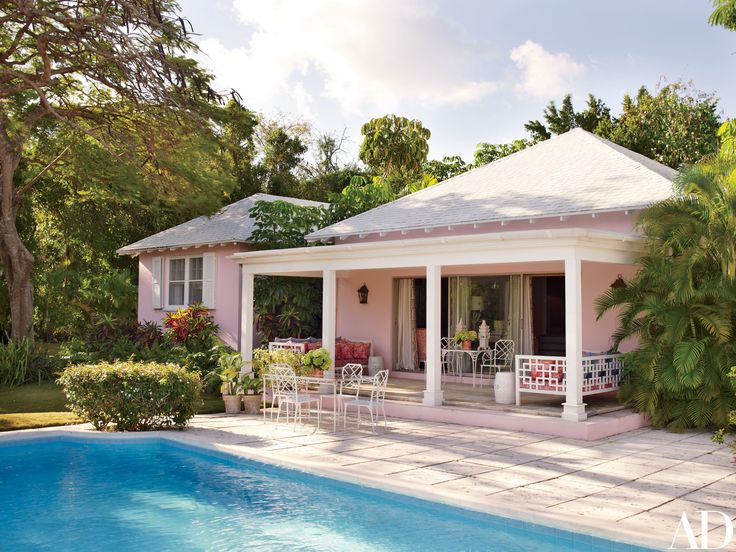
(501, 247)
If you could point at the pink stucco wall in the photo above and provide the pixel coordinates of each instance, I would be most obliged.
(227, 288)
(375, 322)
(613, 222)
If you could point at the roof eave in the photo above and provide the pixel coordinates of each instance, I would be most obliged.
(313, 237)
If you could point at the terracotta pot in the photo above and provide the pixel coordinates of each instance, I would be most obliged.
(232, 403)
(467, 345)
(252, 403)
(317, 373)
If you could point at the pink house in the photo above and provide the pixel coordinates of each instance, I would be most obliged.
(521, 247)
(192, 263)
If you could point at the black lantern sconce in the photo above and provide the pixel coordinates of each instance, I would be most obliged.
(363, 294)
(618, 283)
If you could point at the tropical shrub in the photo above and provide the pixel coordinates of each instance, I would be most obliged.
(263, 359)
(720, 436)
(130, 396)
(192, 327)
(681, 305)
(15, 360)
(318, 359)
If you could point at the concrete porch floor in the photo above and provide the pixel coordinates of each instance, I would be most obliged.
(402, 388)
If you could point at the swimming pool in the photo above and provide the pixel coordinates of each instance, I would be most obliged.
(83, 495)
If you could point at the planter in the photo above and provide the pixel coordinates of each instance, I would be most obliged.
(504, 388)
(252, 403)
(232, 403)
(467, 345)
(317, 373)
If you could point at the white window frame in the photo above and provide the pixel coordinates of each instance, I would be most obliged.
(186, 280)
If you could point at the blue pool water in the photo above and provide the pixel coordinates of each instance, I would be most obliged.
(153, 495)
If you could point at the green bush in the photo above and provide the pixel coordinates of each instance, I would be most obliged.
(132, 396)
(263, 359)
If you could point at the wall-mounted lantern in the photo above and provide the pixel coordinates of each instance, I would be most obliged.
(363, 294)
(618, 283)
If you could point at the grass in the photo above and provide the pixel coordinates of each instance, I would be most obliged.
(34, 405)
(44, 405)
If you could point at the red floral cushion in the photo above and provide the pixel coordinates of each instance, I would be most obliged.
(362, 350)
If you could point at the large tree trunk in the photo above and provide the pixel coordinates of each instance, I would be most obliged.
(17, 261)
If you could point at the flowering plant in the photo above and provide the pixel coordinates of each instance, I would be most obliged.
(466, 335)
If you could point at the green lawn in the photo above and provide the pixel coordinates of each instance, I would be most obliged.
(43, 405)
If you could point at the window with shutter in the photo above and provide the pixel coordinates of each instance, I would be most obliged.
(191, 280)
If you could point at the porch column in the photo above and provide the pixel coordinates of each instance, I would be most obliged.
(433, 395)
(573, 408)
(329, 308)
(246, 320)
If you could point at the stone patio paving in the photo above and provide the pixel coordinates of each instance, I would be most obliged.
(631, 487)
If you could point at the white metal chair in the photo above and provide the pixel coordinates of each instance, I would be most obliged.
(348, 385)
(286, 388)
(276, 371)
(500, 358)
(374, 405)
(449, 361)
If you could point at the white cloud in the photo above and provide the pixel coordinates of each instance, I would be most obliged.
(543, 73)
(359, 53)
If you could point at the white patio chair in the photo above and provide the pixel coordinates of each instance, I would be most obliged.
(500, 358)
(374, 405)
(286, 387)
(449, 361)
(348, 385)
(275, 371)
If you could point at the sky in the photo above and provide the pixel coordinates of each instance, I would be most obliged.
(471, 70)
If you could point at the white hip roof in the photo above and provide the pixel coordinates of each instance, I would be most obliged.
(231, 224)
(576, 172)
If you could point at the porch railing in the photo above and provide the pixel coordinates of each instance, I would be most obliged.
(548, 374)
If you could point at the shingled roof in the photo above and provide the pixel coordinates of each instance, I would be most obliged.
(231, 224)
(576, 172)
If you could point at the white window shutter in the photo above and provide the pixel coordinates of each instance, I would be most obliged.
(156, 277)
(208, 280)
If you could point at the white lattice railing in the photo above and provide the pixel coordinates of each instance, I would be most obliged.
(548, 374)
(601, 373)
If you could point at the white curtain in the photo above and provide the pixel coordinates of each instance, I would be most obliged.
(407, 326)
(460, 288)
(513, 327)
(527, 331)
(520, 314)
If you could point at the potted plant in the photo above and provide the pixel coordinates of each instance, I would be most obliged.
(318, 360)
(228, 372)
(252, 387)
(466, 337)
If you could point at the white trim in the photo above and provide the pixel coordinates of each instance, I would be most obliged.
(499, 247)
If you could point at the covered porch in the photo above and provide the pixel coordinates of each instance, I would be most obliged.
(570, 386)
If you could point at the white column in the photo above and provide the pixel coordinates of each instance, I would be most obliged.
(433, 395)
(573, 408)
(246, 320)
(329, 310)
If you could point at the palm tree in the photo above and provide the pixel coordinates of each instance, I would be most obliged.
(681, 305)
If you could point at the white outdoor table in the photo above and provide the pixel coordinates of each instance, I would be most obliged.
(472, 353)
(310, 380)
